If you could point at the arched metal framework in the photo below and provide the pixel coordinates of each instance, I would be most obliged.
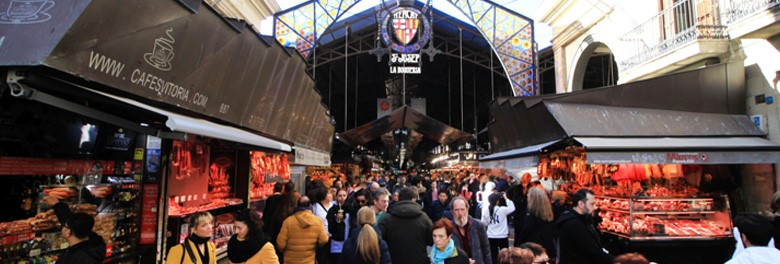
(510, 35)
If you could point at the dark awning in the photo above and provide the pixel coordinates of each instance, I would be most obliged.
(516, 158)
(692, 117)
(687, 150)
(404, 117)
(598, 120)
(705, 102)
(179, 56)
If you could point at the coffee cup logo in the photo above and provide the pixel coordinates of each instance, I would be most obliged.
(162, 52)
(27, 12)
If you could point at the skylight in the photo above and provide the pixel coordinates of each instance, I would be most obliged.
(543, 33)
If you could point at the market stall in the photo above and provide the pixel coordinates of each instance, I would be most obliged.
(150, 79)
(267, 168)
(93, 166)
(669, 172)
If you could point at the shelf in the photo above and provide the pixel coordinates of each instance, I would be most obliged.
(214, 211)
(610, 197)
(656, 199)
(8, 239)
(221, 252)
(121, 255)
(670, 199)
(674, 212)
(657, 212)
(664, 237)
(615, 210)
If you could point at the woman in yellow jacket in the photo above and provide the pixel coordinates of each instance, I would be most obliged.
(250, 245)
(196, 249)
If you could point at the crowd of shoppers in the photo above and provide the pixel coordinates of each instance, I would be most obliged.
(462, 218)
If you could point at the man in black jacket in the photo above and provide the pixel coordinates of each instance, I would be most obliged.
(407, 229)
(86, 246)
(337, 226)
(579, 241)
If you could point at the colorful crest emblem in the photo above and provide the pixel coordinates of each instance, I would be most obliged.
(405, 29)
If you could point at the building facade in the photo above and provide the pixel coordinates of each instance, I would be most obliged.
(647, 39)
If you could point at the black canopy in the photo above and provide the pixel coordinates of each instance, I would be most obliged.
(180, 56)
(404, 117)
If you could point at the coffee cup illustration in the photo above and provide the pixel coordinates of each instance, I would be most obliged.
(162, 53)
(26, 9)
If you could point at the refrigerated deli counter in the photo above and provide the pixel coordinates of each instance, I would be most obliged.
(670, 217)
(645, 202)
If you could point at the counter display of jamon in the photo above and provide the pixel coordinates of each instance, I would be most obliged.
(649, 218)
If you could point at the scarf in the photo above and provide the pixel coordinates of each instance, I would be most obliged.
(438, 257)
(198, 240)
(241, 251)
(204, 257)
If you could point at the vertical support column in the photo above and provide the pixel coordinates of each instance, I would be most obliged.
(346, 73)
(561, 80)
(357, 87)
(460, 49)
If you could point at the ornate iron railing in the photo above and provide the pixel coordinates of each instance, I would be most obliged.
(734, 10)
(684, 22)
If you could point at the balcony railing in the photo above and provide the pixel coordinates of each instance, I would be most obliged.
(684, 22)
(734, 10)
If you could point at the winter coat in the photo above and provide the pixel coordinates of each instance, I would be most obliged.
(267, 254)
(92, 250)
(776, 224)
(540, 232)
(239, 249)
(337, 230)
(350, 253)
(480, 245)
(407, 231)
(177, 254)
(300, 236)
(460, 258)
(498, 226)
(756, 255)
(579, 241)
(438, 210)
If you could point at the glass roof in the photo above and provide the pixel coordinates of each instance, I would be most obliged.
(543, 33)
(510, 34)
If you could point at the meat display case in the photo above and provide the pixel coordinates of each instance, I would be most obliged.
(647, 218)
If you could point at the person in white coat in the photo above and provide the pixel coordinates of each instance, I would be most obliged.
(755, 232)
(494, 215)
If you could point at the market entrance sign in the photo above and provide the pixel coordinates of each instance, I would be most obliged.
(405, 30)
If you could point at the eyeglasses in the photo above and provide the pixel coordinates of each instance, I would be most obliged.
(547, 261)
(361, 201)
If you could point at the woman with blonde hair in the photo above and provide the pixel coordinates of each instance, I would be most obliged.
(365, 244)
(538, 225)
(197, 248)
